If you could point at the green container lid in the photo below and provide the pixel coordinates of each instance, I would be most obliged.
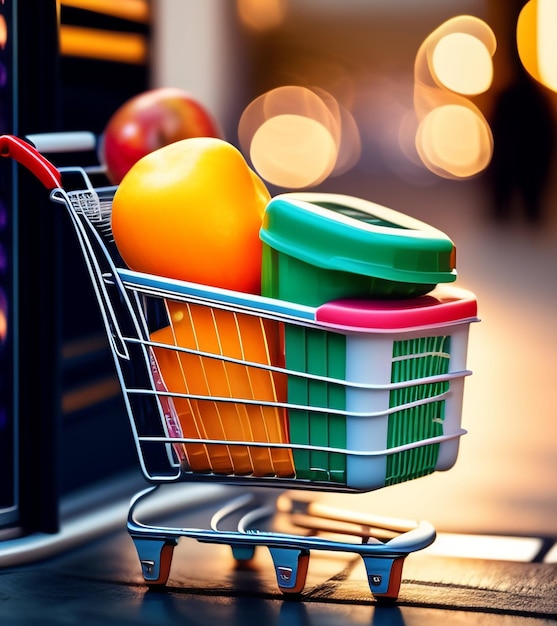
(349, 234)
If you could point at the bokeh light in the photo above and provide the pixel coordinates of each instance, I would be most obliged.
(350, 146)
(536, 37)
(262, 15)
(3, 316)
(461, 62)
(311, 161)
(3, 32)
(453, 138)
(296, 137)
(453, 141)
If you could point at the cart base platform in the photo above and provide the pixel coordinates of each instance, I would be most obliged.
(291, 527)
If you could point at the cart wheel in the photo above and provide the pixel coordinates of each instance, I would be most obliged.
(155, 556)
(384, 576)
(291, 567)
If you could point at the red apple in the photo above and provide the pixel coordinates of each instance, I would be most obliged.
(149, 121)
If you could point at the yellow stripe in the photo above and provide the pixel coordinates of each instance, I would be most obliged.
(91, 394)
(133, 10)
(103, 44)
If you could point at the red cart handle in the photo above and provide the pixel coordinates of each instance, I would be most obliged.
(19, 150)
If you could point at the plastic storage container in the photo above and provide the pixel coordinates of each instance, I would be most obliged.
(382, 380)
(319, 247)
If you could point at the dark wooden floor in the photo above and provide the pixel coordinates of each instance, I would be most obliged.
(100, 583)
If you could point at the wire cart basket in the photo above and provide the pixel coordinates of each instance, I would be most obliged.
(355, 402)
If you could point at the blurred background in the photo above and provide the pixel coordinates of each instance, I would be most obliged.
(484, 177)
(365, 55)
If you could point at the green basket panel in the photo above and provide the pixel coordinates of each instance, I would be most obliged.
(324, 354)
(412, 359)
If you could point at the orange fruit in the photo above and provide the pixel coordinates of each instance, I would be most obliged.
(192, 210)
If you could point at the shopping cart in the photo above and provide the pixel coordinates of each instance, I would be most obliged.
(365, 395)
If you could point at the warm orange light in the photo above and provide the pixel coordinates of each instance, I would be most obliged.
(262, 15)
(478, 43)
(78, 399)
(296, 136)
(286, 100)
(103, 44)
(453, 138)
(3, 317)
(547, 42)
(3, 32)
(526, 39)
(134, 10)
(536, 37)
(293, 151)
(350, 146)
(461, 62)
(454, 142)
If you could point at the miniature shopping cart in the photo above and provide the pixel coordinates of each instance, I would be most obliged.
(347, 396)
